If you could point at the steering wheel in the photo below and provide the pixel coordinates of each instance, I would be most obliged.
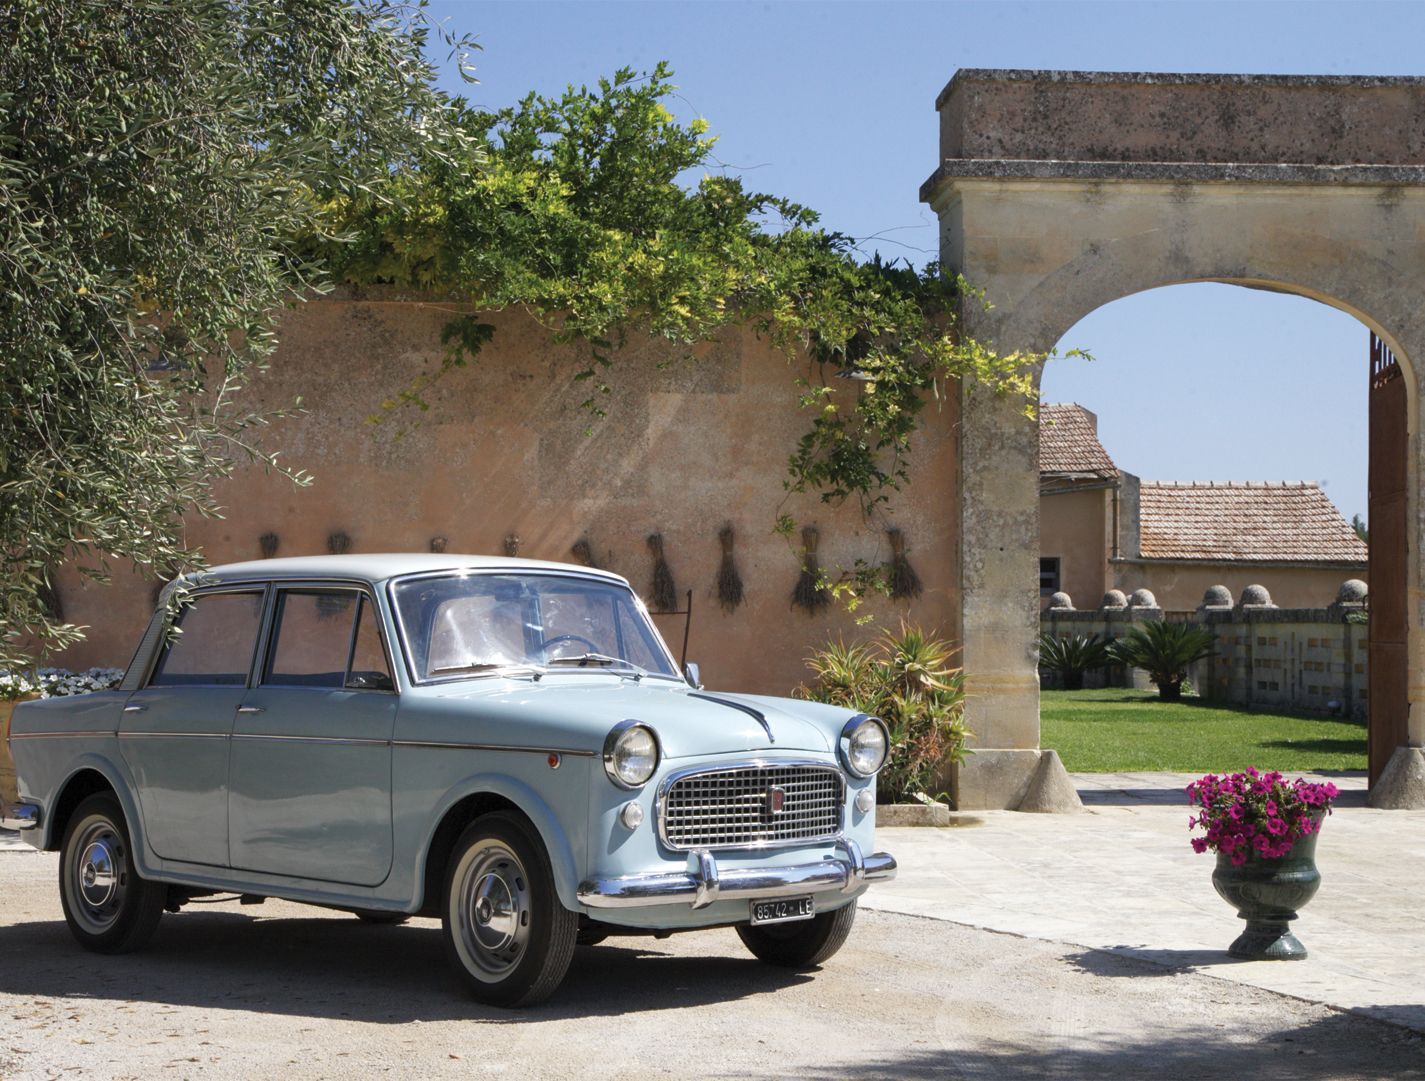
(558, 638)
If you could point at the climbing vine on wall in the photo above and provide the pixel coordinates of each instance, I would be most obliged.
(584, 216)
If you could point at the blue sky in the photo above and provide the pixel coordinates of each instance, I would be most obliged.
(833, 104)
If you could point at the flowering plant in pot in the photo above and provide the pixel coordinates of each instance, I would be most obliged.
(1263, 829)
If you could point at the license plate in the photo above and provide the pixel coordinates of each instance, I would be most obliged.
(783, 910)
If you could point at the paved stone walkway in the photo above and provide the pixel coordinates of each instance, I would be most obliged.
(1122, 878)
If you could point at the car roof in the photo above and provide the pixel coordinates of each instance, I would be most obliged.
(379, 566)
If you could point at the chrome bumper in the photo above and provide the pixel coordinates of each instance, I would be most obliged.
(708, 883)
(20, 816)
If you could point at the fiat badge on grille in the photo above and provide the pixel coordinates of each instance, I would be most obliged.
(776, 800)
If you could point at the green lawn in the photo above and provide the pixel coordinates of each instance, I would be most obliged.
(1115, 729)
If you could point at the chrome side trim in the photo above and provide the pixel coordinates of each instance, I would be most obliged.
(62, 735)
(660, 809)
(491, 747)
(310, 739)
(709, 883)
(174, 735)
(22, 816)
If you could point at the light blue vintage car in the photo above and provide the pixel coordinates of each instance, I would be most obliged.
(502, 743)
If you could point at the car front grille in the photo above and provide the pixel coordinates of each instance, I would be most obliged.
(737, 807)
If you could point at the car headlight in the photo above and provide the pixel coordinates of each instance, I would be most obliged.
(630, 754)
(863, 745)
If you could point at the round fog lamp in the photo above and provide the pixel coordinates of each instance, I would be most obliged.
(865, 800)
(864, 744)
(631, 815)
(630, 754)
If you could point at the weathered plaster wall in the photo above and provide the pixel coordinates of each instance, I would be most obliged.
(685, 448)
(1179, 587)
(1076, 528)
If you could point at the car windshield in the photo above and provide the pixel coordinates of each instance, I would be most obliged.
(460, 625)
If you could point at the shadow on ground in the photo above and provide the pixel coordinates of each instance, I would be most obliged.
(332, 968)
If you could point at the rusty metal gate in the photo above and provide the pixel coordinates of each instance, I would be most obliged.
(1388, 701)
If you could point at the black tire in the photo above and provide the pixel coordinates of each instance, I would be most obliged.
(803, 943)
(382, 919)
(505, 931)
(108, 907)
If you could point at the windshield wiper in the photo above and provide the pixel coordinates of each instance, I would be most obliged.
(603, 660)
(488, 666)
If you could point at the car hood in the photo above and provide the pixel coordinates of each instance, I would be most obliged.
(575, 712)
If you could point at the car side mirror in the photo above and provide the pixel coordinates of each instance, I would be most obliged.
(692, 674)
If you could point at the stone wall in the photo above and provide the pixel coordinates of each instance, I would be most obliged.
(690, 443)
(1311, 660)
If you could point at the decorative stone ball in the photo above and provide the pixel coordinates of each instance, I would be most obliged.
(1142, 598)
(1352, 591)
(1256, 596)
(1061, 600)
(1114, 598)
(1217, 597)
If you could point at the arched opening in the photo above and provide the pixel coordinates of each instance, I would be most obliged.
(1219, 465)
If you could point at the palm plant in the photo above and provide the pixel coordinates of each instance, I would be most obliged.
(906, 678)
(1071, 656)
(1164, 650)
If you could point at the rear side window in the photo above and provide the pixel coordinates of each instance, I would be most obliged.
(216, 637)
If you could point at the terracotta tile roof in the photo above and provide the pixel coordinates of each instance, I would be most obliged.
(1069, 446)
(1244, 522)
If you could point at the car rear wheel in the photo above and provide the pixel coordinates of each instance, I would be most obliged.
(108, 906)
(506, 933)
(802, 943)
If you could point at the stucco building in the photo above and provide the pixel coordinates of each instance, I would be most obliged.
(1102, 528)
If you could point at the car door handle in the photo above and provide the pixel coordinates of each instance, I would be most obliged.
(251, 709)
(135, 709)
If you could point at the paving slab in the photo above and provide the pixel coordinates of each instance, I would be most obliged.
(1122, 878)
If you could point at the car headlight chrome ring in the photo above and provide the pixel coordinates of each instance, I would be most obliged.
(864, 745)
(631, 754)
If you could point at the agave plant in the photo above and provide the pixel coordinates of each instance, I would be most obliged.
(1072, 655)
(907, 679)
(1164, 650)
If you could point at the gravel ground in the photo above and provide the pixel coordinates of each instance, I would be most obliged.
(231, 992)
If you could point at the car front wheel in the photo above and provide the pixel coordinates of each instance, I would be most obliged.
(506, 933)
(108, 907)
(802, 943)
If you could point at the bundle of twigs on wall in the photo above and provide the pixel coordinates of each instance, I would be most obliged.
(268, 542)
(49, 599)
(437, 544)
(584, 552)
(809, 593)
(729, 580)
(905, 583)
(665, 593)
(512, 545)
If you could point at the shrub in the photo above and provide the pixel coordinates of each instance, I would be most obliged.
(1164, 650)
(1071, 656)
(906, 679)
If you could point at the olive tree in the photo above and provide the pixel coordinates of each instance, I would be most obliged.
(157, 160)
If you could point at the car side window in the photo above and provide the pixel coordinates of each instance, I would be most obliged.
(311, 638)
(217, 634)
(368, 670)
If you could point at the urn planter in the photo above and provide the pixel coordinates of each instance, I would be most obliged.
(1267, 893)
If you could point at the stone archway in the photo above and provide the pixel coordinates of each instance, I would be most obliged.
(1061, 192)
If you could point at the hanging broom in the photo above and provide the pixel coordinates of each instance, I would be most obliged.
(512, 545)
(268, 542)
(905, 583)
(729, 581)
(665, 593)
(584, 552)
(809, 594)
(437, 544)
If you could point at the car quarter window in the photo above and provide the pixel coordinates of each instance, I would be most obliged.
(311, 637)
(369, 670)
(217, 633)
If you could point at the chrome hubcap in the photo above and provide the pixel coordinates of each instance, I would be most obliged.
(493, 909)
(100, 875)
